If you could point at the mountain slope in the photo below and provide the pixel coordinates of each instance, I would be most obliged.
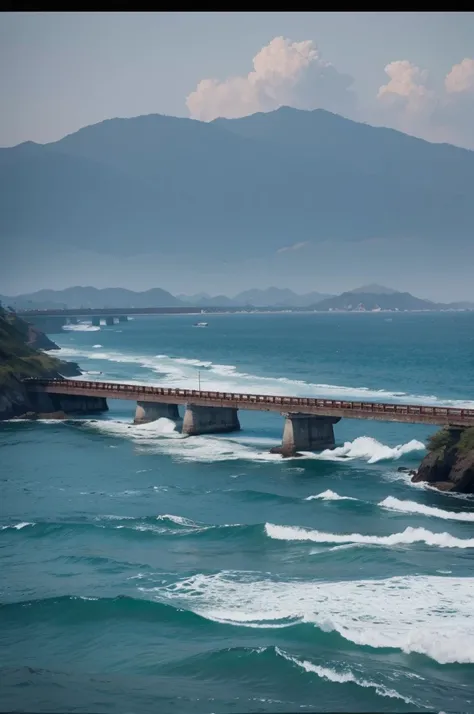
(234, 189)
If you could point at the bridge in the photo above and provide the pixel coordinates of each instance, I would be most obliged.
(52, 319)
(308, 421)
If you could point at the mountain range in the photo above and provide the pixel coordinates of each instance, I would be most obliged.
(285, 193)
(368, 297)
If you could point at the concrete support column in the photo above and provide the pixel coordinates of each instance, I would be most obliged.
(304, 432)
(123, 318)
(96, 321)
(109, 321)
(151, 411)
(73, 321)
(209, 420)
(44, 403)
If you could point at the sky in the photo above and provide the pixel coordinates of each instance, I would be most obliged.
(410, 71)
(62, 71)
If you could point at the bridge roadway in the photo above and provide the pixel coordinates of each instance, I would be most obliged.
(408, 413)
(108, 311)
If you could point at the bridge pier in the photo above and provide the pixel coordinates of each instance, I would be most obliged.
(304, 432)
(43, 403)
(73, 320)
(109, 320)
(209, 420)
(123, 318)
(96, 321)
(151, 411)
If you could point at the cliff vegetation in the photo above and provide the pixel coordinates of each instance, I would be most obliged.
(19, 359)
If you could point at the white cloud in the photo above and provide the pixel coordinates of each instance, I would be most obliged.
(295, 246)
(284, 73)
(408, 102)
(407, 84)
(461, 77)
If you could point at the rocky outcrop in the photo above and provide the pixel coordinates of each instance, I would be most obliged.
(39, 341)
(18, 359)
(14, 400)
(449, 463)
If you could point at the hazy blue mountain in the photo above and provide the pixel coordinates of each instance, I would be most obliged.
(212, 195)
(374, 289)
(256, 297)
(205, 300)
(276, 297)
(391, 300)
(93, 297)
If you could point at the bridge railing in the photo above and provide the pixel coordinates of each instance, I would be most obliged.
(282, 401)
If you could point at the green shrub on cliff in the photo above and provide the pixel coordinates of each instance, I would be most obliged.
(440, 440)
(466, 442)
(19, 360)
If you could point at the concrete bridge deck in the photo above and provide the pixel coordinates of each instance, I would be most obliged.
(407, 413)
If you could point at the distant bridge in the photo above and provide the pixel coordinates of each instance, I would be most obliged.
(107, 311)
(309, 421)
(52, 320)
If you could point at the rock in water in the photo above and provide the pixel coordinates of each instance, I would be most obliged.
(449, 464)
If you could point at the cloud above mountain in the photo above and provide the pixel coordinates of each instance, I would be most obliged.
(295, 74)
(284, 73)
(419, 104)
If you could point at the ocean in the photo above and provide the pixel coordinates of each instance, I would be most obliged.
(142, 571)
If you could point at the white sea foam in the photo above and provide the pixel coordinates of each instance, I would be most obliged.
(179, 520)
(345, 677)
(365, 447)
(161, 436)
(81, 327)
(430, 615)
(395, 504)
(95, 347)
(330, 496)
(182, 371)
(17, 526)
(408, 536)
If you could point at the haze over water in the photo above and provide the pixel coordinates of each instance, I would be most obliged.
(143, 571)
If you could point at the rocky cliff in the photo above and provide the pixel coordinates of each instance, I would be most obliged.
(19, 359)
(449, 463)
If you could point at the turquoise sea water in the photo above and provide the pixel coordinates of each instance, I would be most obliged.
(142, 571)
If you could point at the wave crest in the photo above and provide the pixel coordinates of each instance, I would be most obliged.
(408, 536)
(366, 447)
(430, 615)
(395, 504)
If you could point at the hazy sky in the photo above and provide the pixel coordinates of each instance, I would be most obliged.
(62, 71)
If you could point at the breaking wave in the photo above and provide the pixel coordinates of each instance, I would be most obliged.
(365, 447)
(428, 615)
(395, 504)
(162, 436)
(332, 675)
(330, 496)
(408, 536)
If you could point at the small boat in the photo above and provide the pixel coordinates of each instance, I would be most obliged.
(200, 324)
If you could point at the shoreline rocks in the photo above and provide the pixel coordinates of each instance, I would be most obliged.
(449, 463)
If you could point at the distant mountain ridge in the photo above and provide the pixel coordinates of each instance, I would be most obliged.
(356, 299)
(233, 192)
(391, 300)
(256, 297)
(90, 297)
